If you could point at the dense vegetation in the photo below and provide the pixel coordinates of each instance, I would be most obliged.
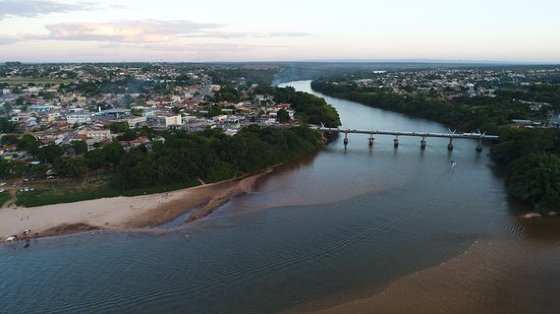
(175, 159)
(211, 156)
(309, 108)
(464, 113)
(530, 157)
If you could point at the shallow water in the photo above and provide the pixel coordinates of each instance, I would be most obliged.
(338, 224)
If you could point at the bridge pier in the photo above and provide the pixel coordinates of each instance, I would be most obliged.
(450, 145)
(396, 142)
(423, 143)
(479, 146)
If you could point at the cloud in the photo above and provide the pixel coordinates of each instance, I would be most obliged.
(140, 31)
(232, 35)
(7, 40)
(32, 8)
(145, 31)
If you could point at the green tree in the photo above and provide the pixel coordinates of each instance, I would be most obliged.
(9, 140)
(49, 153)
(28, 143)
(5, 168)
(214, 110)
(119, 127)
(283, 116)
(113, 153)
(80, 147)
(95, 159)
(6, 126)
(71, 167)
(536, 179)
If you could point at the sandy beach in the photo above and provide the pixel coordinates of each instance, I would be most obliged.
(493, 276)
(123, 213)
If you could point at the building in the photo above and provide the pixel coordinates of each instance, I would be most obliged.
(96, 134)
(166, 121)
(79, 118)
(133, 122)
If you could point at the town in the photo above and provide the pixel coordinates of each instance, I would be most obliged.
(73, 130)
(525, 87)
(61, 104)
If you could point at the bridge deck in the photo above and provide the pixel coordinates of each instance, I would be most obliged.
(474, 136)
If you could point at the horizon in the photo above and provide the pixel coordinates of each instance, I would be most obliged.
(311, 61)
(76, 31)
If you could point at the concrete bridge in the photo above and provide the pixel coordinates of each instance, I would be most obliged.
(423, 135)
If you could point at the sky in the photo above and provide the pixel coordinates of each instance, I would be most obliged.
(288, 30)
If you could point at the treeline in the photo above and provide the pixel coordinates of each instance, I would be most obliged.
(529, 157)
(466, 114)
(174, 158)
(309, 108)
(210, 156)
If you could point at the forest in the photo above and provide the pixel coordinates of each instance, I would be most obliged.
(309, 108)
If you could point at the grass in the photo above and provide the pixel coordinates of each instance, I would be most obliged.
(89, 189)
(61, 194)
(4, 197)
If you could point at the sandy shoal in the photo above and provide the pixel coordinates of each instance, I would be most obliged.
(121, 213)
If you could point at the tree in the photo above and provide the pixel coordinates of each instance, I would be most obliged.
(119, 127)
(5, 168)
(20, 101)
(28, 143)
(113, 153)
(9, 139)
(95, 159)
(536, 180)
(128, 135)
(214, 110)
(80, 147)
(49, 153)
(6, 126)
(227, 93)
(71, 167)
(283, 116)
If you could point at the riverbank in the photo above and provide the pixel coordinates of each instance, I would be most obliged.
(491, 276)
(123, 213)
(528, 157)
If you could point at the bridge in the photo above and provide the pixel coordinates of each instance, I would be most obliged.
(423, 143)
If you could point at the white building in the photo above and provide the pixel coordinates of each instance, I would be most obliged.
(135, 121)
(167, 121)
(79, 118)
(95, 134)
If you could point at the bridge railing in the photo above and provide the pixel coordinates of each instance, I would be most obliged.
(451, 136)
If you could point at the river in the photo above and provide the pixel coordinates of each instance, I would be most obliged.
(340, 226)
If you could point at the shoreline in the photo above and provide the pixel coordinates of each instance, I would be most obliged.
(124, 213)
(466, 283)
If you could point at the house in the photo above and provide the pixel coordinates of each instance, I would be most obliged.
(166, 121)
(96, 134)
(127, 145)
(79, 118)
(133, 122)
